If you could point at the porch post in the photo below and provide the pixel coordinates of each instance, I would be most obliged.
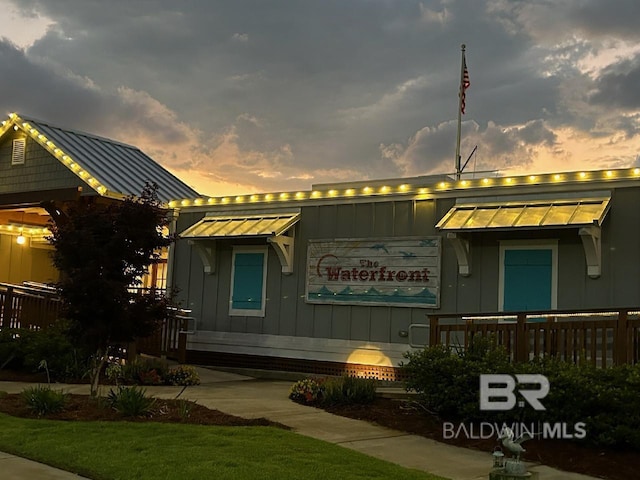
(7, 308)
(521, 354)
(620, 342)
(434, 334)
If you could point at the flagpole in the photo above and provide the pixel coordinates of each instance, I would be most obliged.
(460, 93)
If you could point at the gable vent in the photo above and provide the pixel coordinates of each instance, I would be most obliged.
(17, 155)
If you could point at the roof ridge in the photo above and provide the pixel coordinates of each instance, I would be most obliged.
(76, 132)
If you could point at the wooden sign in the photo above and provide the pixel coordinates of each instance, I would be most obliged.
(389, 271)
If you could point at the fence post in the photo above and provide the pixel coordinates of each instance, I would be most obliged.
(520, 355)
(131, 351)
(620, 345)
(433, 330)
(7, 308)
(182, 340)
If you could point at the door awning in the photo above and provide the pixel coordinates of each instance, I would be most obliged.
(526, 214)
(584, 214)
(239, 225)
(272, 226)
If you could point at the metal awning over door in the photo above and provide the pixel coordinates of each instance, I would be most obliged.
(560, 213)
(585, 214)
(271, 225)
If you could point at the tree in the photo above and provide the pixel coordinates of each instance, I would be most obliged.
(102, 251)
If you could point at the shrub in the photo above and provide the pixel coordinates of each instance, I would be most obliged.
(343, 390)
(11, 352)
(447, 381)
(30, 350)
(185, 407)
(130, 401)
(43, 400)
(185, 375)
(347, 390)
(607, 400)
(307, 391)
(114, 372)
(144, 371)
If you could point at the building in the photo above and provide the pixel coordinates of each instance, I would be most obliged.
(342, 277)
(45, 169)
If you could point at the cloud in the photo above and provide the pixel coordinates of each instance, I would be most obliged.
(280, 96)
(240, 37)
(618, 85)
(499, 147)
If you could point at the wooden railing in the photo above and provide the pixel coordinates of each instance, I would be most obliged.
(35, 307)
(599, 337)
(170, 339)
(28, 306)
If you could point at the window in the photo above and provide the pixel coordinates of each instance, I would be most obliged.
(17, 154)
(248, 281)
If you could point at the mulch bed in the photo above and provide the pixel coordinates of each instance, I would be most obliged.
(399, 415)
(561, 454)
(85, 408)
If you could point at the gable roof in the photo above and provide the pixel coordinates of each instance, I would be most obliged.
(110, 168)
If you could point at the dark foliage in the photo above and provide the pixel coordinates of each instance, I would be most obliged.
(606, 400)
(101, 252)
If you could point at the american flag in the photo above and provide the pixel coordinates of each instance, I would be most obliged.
(464, 85)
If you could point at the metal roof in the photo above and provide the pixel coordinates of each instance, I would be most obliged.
(234, 226)
(556, 213)
(116, 167)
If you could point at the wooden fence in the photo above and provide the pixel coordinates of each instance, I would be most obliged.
(170, 340)
(37, 307)
(599, 337)
(28, 307)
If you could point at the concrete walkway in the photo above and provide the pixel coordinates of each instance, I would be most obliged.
(250, 398)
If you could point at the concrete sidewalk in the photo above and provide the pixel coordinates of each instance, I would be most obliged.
(248, 397)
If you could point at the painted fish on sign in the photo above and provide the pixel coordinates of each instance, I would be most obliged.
(394, 272)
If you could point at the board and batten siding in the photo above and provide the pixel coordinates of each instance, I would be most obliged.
(288, 313)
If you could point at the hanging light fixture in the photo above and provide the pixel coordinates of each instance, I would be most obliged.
(21, 239)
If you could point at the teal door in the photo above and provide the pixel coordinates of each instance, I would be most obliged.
(527, 279)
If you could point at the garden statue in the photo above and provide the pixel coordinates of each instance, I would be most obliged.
(510, 468)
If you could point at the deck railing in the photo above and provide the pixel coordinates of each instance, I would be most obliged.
(35, 307)
(599, 337)
(31, 307)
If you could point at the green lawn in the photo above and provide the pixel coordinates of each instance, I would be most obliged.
(127, 450)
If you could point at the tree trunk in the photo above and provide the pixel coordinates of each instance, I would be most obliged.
(98, 364)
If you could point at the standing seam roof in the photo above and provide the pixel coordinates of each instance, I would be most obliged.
(121, 168)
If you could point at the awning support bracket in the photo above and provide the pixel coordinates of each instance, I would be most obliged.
(207, 251)
(283, 245)
(592, 249)
(463, 253)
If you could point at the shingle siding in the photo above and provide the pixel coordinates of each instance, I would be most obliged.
(41, 171)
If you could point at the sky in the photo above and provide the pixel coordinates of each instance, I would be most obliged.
(244, 96)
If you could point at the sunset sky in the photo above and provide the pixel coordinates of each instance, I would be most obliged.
(244, 96)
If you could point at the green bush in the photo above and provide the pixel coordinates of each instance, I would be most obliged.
(130, 401)
(185, 375)
(43, 400)
(447, 381)
(144, 371)
(347, 390)
(607, 400)
(343, 390)
(11, 353)
(185, 407)
(30, 350)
